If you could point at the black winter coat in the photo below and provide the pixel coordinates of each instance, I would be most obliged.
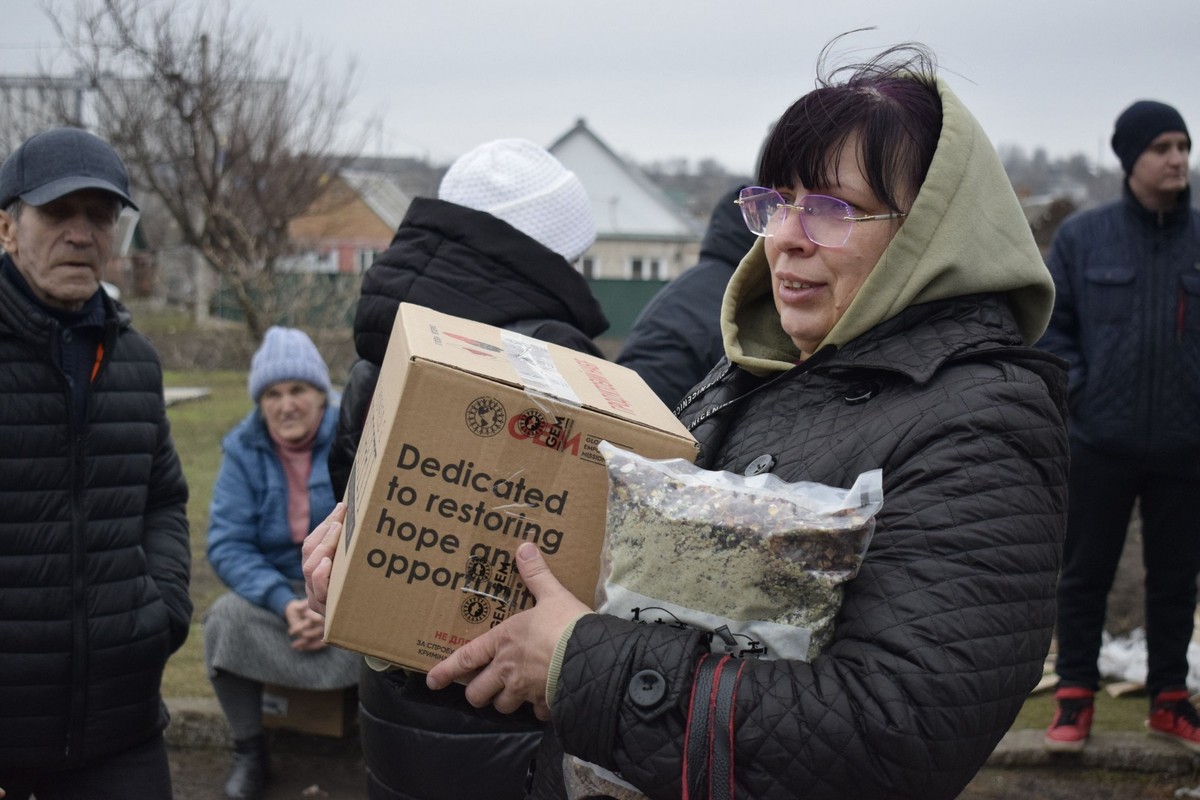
(1127, 320)
(676, 339)
(452, 259)
(943, 632)
(94, 555)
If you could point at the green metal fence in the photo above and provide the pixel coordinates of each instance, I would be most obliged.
(622, 301)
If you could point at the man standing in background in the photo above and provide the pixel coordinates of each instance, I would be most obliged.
(94, 554)
(1127, 319)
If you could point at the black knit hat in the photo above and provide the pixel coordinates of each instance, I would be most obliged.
(1141, 124)
(59, 161)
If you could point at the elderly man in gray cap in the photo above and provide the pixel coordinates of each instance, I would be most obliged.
(1127, 320)
(94, 555)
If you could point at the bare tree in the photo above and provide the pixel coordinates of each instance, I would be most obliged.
(230, 131)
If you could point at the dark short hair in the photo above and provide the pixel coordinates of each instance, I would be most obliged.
(891, 101)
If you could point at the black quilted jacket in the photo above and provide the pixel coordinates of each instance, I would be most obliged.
(943, 632)
(1127, 320)
(94, 556)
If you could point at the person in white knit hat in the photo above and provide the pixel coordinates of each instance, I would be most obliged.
(528, 188)
(496, 246)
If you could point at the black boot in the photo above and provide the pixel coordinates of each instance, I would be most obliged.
(251, 769)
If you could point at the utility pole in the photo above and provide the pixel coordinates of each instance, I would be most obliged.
(201, 283)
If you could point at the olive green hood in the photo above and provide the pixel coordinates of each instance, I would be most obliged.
(965, 234)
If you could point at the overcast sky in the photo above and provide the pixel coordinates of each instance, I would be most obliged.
(659, 79)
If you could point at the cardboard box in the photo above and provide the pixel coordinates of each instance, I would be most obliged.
(477, 440)
(324, 713)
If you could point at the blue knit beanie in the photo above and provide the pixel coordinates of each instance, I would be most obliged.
(1141, 124)
(286, 354)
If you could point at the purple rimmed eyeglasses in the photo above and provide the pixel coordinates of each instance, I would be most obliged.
(826, 220)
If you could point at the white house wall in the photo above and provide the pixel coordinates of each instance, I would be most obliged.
(614, 258)
(622, 206)
(641, 233)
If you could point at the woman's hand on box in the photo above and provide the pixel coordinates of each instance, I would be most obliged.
(320, 547)
(509, 664)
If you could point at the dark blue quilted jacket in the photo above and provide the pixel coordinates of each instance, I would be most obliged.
(1127, 320)
(944, 631)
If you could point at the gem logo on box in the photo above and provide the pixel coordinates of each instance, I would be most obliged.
(538, 428)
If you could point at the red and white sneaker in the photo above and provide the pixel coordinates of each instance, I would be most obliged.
(1072, 723)
(1174, 717)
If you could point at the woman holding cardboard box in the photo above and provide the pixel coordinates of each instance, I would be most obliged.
(273, 482)
(883, 321)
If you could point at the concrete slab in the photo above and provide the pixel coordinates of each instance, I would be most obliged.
(1108, 750)
(183, 394)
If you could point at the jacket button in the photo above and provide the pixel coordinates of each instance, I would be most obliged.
(763, 463)
(647, 688)
(861, 392)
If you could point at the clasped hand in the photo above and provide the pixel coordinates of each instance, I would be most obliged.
(305, 626)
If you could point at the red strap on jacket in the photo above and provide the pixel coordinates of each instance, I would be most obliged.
(708, 760)
(720, 774)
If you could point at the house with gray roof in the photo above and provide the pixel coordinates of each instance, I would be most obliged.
(642, 234)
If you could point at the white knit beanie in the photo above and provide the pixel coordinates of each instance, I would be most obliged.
(528, 188)
(286, 354)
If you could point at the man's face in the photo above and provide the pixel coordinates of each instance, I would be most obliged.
(1160, 173)
(61, 247)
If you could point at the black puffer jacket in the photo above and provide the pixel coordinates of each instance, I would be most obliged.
(418, 743)
(676, 339)
(1127, 320)
(94, 556)
(943, 632)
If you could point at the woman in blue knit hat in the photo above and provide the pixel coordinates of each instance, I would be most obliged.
(272, 489)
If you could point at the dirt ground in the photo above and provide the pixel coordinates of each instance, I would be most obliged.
(303, 767)
(1070, 784)
(329, 769)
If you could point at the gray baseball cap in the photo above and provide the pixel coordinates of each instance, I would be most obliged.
(59, 161)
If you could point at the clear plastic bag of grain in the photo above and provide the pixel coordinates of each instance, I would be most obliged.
(756, 563)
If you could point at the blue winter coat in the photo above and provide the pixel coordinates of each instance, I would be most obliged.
(250, 543)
